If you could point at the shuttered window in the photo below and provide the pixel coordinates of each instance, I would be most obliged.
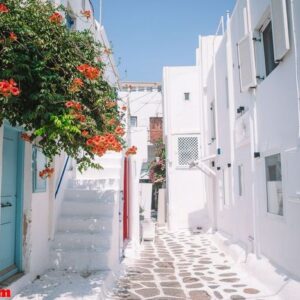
(280, 28)
(270, 63)
(246, 63)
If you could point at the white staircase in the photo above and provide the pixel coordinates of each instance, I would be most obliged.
(87, 231)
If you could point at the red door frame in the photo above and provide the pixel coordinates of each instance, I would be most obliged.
(126, 200)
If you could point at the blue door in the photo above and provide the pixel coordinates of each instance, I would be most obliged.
(8, 210)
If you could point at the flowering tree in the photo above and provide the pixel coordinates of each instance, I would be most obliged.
(157, 170)
(51, 84)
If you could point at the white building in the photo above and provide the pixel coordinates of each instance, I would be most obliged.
(249, 112)
(145, 118)
(145, 104)
(71, 221)
(182, 113)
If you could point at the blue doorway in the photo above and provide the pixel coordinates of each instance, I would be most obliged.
(11, 203)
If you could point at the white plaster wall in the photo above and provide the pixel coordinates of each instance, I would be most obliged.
(277, 127)
(270, 125)
(139, 137)
(185, 187)
(144, 104)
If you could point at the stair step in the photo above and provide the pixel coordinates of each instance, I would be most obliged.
(94, 184)
(84, 224)
(94, 209)
(80, 260)
(89, 195)
(81, 240)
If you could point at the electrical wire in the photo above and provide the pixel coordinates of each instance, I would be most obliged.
(145, 103)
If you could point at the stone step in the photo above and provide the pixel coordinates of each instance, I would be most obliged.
(79, 260)
(84, 224)
(88, 195)
(94, 209)
(94, 184)
(81, 240)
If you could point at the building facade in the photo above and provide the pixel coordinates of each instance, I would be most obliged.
(249, 114)
(42, 226)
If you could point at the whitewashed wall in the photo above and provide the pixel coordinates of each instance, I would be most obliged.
(269, 125)
(185, 186)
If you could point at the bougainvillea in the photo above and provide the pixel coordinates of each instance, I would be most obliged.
(51, 84)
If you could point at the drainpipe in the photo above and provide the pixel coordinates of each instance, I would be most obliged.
(296, 64)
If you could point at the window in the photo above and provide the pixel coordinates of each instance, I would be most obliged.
(240, 178)
(274, 184)
(187, 96)
(70, 22)
(38, 164)
(188, 150)
(133, 121)
(267, 36)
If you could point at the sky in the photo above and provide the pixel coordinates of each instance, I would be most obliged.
(147, 35)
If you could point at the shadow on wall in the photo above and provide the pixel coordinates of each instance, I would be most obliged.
(199, 219)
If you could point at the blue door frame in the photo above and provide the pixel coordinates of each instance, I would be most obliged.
(19, 204)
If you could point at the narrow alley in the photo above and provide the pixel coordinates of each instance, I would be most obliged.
(185, 265)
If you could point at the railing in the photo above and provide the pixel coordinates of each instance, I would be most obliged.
(62, 176)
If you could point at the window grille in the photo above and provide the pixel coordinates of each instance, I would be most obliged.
(188, 150)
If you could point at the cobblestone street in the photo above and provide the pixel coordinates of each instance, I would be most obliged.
(185, 266)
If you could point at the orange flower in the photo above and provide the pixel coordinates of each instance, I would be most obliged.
(46, 173)
(76, 84)
(12, 36)
(119, 131)
(56, 18)
(80, 117)
(3, 8)
(88, 71)
(86, 13)
(84, 133)
(26, 137)
(112, 122)
(124, 108)
(110, 104)
(73, 104)
(78, 81)
(131, 151)
(8, 88)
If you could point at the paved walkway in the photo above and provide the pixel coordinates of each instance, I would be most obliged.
(185, 266)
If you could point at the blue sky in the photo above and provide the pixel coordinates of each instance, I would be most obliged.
(149, 34)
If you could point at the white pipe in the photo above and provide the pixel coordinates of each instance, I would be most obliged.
(208, 157)
(296, 62)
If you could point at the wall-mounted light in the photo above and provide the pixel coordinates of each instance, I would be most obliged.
(219, 151)
(229, 165)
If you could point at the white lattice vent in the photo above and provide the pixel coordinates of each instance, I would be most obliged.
(188, 150)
